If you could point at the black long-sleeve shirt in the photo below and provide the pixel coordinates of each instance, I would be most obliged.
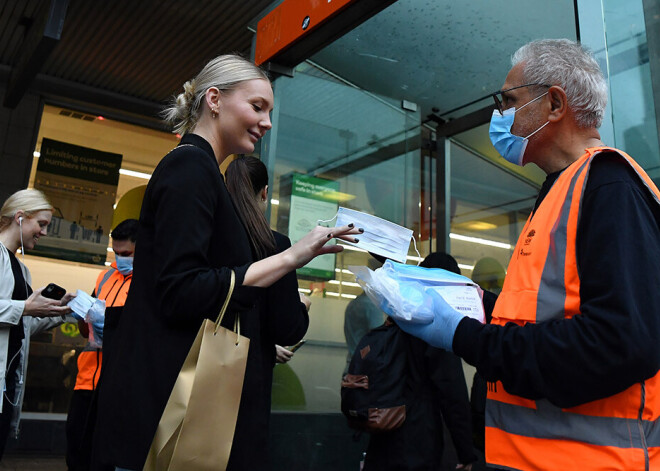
(615, 341)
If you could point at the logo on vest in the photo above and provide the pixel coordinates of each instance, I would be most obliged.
(526, 242)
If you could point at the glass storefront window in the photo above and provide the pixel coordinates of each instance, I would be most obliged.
(340, 118)
(631, 92)
(367, 149)
(52, 365)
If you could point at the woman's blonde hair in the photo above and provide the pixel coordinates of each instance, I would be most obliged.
(224, 72)
(29, 201)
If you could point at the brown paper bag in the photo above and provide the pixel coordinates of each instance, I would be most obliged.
(197, 427)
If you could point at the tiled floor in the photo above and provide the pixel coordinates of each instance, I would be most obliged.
(32, 463)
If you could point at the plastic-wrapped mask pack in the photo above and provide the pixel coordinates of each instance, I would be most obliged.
(401, 291)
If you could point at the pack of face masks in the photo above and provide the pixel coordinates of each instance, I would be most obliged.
(91, 310)
(402, 291)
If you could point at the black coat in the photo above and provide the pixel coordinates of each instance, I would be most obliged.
(189, 239)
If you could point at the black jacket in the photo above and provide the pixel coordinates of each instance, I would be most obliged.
(615, 341)
(189, 239)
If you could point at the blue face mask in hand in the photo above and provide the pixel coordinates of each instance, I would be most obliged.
(124, 264)
(510, 146)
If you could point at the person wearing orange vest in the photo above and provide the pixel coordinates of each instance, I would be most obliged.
(573, 352)
(112, 286)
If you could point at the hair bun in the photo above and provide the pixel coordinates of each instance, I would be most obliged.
(189, 90)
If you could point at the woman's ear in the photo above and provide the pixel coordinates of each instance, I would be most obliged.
(212, 98)
(19, 216)
(264, 193)
(558, 103)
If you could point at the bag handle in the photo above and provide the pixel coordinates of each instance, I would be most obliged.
(232, 282)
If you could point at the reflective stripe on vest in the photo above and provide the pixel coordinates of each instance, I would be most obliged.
(106, 277)
(112, 287)
(543, 283)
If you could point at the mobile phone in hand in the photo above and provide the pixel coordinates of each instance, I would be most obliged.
(53, 291)
(297, 346)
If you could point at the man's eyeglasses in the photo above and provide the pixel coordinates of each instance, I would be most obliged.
(497, 96)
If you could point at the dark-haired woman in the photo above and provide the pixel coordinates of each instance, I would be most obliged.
(190, 239)
(283, 311)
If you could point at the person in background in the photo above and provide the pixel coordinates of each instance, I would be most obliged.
(361, 316)
(284, 308)
(572, 355)
(489, 274)
(191, 239)
(436, 392)
(24, 219)
(112, 286)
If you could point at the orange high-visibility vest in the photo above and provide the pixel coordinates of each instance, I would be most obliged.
(112, 287)
(542, 283)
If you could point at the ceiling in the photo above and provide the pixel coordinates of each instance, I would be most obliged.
(142, 49)
(443, 53)
(414, 49)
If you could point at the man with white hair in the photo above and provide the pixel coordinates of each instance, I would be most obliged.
(573, 352)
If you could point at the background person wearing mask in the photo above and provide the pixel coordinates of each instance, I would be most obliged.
(112, 286)
(24, 218)
(191, 239)
(573, 351)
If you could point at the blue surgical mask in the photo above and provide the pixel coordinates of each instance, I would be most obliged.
(124, 264)
(510, 146)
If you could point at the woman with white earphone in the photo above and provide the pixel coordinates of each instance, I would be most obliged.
(24, 218)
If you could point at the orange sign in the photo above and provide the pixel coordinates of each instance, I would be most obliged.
(290, 21)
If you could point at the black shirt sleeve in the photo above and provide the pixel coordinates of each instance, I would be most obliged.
(615, 341)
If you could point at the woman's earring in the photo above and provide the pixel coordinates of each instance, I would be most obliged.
(214, 112)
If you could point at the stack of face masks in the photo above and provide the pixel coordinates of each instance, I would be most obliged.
(402, 291)
(380, 237)
(90, 310)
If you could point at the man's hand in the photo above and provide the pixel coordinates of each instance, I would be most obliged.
(440, 332)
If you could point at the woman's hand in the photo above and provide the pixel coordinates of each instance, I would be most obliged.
(38, 306)
(314, 243)
(306, 301)
(282, 355)
(267, 271)
(66, 299)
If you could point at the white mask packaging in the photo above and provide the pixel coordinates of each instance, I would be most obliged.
(87, 308)
(380, 236)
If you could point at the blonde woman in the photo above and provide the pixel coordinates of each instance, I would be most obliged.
(24, 219)
(189, 241)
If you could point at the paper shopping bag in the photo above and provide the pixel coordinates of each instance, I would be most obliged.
(197, 427)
